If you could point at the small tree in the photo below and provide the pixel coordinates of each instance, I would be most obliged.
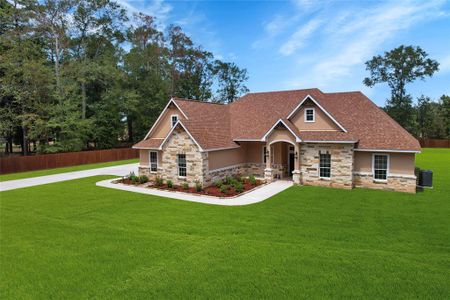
(398, 67)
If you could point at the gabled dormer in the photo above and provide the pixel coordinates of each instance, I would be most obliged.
(309, 115)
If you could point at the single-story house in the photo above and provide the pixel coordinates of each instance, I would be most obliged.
(340, 140)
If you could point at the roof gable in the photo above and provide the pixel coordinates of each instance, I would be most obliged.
(308, 99)
(162, 119)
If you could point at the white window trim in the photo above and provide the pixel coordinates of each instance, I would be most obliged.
(172, 124)
(314, 115)
(387, 170)
(150, 161)
(318, 169)
(178, 165)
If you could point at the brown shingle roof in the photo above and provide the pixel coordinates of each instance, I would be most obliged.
(149, 143)
(250, 117)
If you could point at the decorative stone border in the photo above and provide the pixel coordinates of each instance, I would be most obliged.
(255, 195)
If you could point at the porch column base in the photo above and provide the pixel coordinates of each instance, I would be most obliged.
(268, 175)
(296, 176)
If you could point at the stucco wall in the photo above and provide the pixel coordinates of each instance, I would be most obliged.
(399, 163)
(144, 157)
(226, 158)
(322, 121)
(254, 151)
(165, 123)
(280, 134)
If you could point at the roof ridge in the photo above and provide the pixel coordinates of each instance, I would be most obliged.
(348, 92)
(196, 100)
(281, 91)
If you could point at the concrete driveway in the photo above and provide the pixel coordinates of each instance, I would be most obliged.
(120, 170)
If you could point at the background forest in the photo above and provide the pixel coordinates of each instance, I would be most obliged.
(79, 74)
(86, 74)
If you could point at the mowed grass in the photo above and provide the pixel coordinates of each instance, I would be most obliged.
(22, 175)
(75, 240)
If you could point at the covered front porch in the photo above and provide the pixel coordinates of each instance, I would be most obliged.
(282, 154)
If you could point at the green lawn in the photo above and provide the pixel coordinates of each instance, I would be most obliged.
(75, 240)
(30, 174)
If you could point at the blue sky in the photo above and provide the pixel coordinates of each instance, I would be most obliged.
(307, 43)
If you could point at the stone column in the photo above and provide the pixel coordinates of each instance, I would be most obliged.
(296, 174)
(268, 172)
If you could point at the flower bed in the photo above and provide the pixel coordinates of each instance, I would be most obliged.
(229, 187)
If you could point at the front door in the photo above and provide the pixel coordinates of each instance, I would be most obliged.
(291, 160)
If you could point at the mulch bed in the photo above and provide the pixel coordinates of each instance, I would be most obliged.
(209, 191)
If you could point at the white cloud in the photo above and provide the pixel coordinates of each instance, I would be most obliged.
(156, 8)
(299, 38)
(359, 36)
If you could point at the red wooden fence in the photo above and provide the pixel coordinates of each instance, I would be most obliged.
(434, 143)
(49, 161)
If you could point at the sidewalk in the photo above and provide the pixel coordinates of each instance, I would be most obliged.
(120, 170)
(258, 195)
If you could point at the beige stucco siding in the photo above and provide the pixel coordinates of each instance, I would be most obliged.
(322, 121)
(165, 123)
(143, 157)
(254, 151)
(226, 158)
(399, 163)
(281, 134)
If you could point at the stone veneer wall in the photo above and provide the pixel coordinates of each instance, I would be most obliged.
(341, 165)
(241, 169)
(196, 161)
(397, 183)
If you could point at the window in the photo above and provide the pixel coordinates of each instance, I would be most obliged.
(182, 165)
(325, 165)
(264, 154)
(380, 166)
(153, 161)
(309, 115)
(174, 120)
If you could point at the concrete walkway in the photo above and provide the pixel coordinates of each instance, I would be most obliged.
(120, 170)
(258, 195)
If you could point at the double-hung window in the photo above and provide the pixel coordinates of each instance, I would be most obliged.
(182, 165)
(174, 120)
(309, 115)
(380, 166)
(324, 165)
(153, 161)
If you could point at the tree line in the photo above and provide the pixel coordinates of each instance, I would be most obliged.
(79, 74)
(397, 68)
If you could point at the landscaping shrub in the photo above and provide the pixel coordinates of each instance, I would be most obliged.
(252, 180)
(239, 187)
(143, 179)
(233, 182)
(218, 183)
(159, 181)
(185, 186)
(198, 186)
(133, 177)
(169, 184)
(227, 180)
(224, 189)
